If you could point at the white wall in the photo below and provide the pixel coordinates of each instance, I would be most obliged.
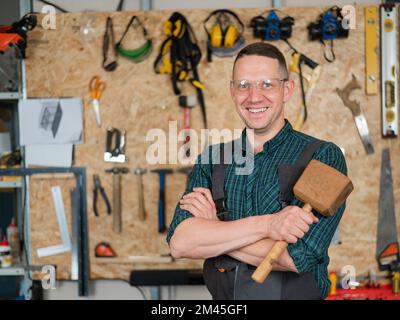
(130, 5)
(121, 290)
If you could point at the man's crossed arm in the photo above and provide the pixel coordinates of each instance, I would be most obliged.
(248, 240)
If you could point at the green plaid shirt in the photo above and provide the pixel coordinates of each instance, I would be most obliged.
(258, 193)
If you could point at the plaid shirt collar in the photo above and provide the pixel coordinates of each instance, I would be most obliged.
(271, 145)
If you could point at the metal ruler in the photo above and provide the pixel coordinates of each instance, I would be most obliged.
(74, 225)
(389, 70)
(371, 54)
(65, 245)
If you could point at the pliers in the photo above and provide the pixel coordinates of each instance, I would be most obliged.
(98, 187)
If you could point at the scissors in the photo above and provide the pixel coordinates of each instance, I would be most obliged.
(96, 88)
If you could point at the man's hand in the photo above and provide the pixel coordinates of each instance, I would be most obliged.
(200, 204)
(290, 224)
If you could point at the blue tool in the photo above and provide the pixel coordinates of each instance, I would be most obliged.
(161, 201)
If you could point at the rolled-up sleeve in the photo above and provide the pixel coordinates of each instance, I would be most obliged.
(312, 249)
(199, 177)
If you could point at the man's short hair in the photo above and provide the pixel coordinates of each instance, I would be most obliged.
(264, 49)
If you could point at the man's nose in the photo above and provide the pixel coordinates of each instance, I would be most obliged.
(255, 94)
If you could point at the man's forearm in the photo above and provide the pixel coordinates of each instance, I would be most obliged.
(256, 252)
(204, 238)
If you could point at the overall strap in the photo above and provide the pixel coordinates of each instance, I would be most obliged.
(218, 185)
(289, 174)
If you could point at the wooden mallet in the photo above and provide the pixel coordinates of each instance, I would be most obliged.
(320, 187)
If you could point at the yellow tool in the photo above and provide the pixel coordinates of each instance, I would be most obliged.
(311, 79)
(333, 279)
(371, 54)
(96, 88)
(396, 282)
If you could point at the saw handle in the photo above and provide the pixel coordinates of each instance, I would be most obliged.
(271, 260)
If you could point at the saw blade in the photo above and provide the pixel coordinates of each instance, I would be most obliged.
(387, 246)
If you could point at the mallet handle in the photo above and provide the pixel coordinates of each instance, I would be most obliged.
(271, 260)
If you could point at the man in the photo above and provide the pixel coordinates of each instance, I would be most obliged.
(257, 216)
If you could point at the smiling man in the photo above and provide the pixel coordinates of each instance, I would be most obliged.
(260, 207)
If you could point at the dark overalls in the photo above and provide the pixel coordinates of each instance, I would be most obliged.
(229, 279)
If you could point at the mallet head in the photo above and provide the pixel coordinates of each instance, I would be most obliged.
(323, 187)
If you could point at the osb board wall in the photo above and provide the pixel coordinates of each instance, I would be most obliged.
(60, 63)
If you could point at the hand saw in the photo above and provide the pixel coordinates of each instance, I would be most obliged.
(387, 245)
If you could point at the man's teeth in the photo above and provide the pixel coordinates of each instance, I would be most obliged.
(257, 110)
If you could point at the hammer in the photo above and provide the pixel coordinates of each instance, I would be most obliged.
(187, 102)
(320, 187)
(139, 172)
(161, 201)
(117, 216)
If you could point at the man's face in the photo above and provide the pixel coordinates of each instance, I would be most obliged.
(259, 107)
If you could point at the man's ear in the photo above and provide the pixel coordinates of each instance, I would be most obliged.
(288, 89)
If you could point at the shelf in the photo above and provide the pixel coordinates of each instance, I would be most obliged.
(134, 259)
(16, 270)
(9, 95)
(10, 184)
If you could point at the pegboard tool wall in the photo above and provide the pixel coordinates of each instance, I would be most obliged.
(61, 64)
